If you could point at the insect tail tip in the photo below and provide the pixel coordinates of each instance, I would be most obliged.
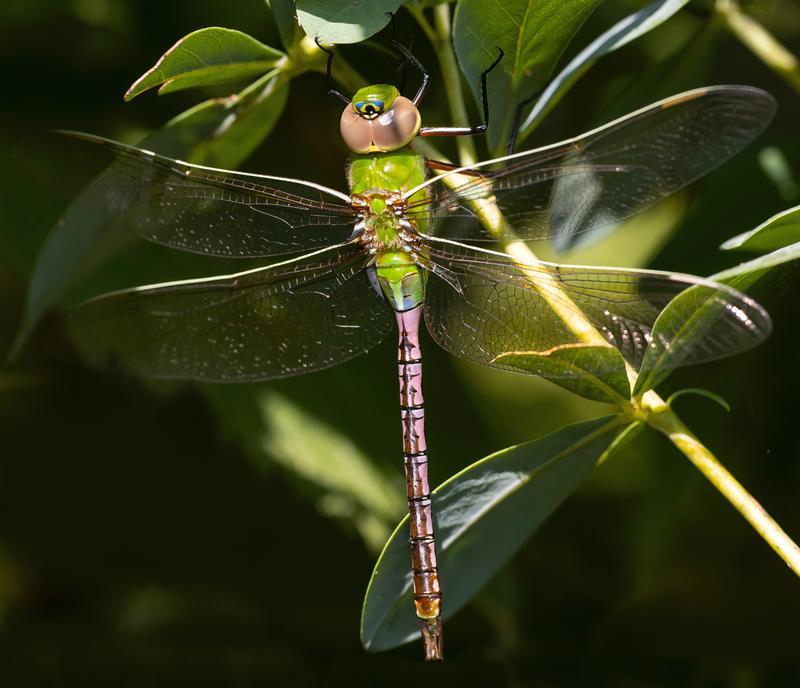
(432, 639)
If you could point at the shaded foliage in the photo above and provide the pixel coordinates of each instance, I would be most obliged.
(181, 531)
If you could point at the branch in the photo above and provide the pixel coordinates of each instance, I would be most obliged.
(668, 423)
(760, 42)
(451, 75)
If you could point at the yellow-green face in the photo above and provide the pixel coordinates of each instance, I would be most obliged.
(371, 101)
(379, 119)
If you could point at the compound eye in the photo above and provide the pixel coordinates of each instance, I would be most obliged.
(356, 131)
(397, 126)
(369, 109)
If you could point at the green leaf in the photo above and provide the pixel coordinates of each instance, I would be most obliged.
(593, 372)
(205, 57)
(285, 15)
(687, 322)
(344, 21)
(779, 231)
(701, 393)
(694, 312)
(482, 515)
(623, 32)
(272, 430)
(532, 33)
(746, 275)
(220, 132)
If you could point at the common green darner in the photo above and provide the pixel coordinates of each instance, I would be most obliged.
(393, 245)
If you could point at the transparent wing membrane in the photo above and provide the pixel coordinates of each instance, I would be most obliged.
(291, 318)
(206, 210)
(605, 176)
(322, 308)
(481, 304)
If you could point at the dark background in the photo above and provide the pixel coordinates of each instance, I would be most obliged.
(158, 535)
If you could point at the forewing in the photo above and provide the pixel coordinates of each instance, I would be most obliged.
(291, 318)
(604, 176)
(207, 210)
(482, 304)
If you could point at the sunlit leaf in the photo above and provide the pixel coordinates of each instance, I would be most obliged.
(695, 312)
(220, 132)
(623, 32)
(285, 15)
(344, 21)
(208, 56)
(777, 167)
(594, 372)
(746, 275)
(701, 317)
(532, 33)
(779, 231)
(483, 515)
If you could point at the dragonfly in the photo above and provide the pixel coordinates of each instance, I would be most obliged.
(407, 243)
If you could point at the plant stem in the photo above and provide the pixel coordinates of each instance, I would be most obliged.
(668, 423)
(760, 42)
(452, 81)
(307, 56)
(419, 14)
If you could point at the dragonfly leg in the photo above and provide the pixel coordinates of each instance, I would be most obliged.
(515, 127)
(427, 590)
(449, 167)
(478, 128)
(413, 61)
(329, 73)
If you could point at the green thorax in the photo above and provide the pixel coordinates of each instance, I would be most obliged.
(400, 277)
(395, 171)
(387, 173)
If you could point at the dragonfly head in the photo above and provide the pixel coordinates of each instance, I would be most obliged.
(379, 119)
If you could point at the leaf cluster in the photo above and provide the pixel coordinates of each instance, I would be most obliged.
(486, 511)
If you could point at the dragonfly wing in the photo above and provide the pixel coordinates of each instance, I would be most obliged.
(604, 176)
(207, 210)
(290, 318)
(480, 304)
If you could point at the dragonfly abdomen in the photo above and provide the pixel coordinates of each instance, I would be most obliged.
(425, 574)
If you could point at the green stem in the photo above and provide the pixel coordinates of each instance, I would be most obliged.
(760, 42)
(424, 24)
(452, 81)
(668, 423)
(307, 56)
(347, 76)
(425, 148)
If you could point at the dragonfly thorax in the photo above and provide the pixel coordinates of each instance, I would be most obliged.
(394, 244)
(383, 227)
